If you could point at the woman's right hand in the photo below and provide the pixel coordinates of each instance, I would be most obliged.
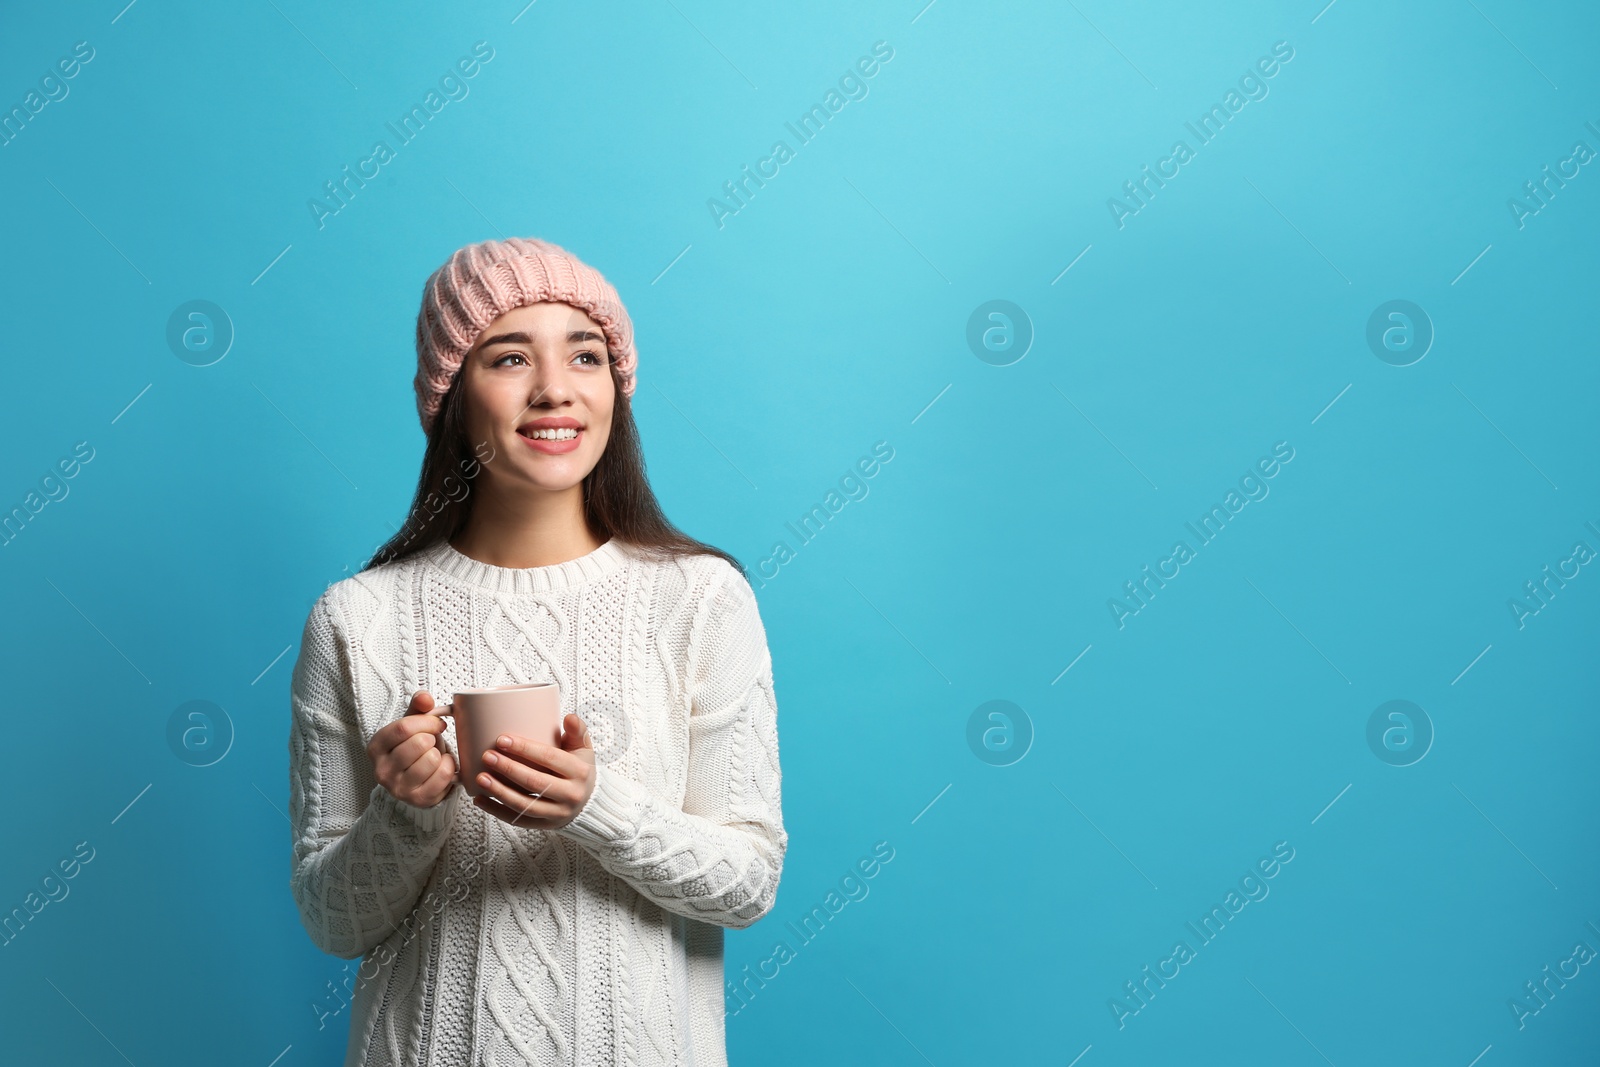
(410, 757)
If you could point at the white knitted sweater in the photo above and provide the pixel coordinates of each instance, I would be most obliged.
(487, 944)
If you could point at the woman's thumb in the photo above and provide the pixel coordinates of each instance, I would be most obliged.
(575, 733)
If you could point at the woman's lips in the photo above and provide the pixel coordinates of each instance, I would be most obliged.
(554, 448)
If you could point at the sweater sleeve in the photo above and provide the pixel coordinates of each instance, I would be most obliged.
(718, 858)
(361, 856)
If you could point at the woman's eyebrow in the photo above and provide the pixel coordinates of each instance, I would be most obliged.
(519, 338)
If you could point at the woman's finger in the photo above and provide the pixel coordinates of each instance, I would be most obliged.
(548, 758)
(504, 800)
(576, 736)
(394, 734)
(391, 761)
(525, 778)
(414, 748)
(445, 772)
(420, 771)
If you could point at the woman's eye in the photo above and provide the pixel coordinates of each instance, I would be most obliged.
(594, 360)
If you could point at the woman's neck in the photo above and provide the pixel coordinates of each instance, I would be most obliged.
(532, 532)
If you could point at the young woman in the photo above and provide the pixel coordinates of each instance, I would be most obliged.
(574, 916)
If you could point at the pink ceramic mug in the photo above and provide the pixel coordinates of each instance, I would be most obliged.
(531, 710)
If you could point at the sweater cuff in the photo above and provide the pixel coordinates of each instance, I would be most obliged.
(612, 813)
(428, 820)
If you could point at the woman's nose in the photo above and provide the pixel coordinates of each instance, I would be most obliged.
(549, 384)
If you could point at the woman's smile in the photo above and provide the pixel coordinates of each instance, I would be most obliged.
(552, 436)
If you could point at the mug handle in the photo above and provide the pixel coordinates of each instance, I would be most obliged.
(448, 711)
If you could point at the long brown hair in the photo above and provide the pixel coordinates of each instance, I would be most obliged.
(618, 502)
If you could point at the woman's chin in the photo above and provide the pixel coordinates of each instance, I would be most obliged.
(555, 474)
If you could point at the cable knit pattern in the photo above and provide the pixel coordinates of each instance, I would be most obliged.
(488, 944)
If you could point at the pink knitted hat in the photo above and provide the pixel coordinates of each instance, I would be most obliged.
(483, 281)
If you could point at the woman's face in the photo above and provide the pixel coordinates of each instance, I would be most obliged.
(537, 385)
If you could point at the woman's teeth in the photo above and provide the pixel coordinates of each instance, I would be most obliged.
(550, 435)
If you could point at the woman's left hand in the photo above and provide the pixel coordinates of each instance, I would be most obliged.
(563, 777)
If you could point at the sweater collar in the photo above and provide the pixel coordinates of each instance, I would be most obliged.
(446, 558)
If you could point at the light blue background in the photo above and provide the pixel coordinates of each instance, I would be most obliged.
(830, 313)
